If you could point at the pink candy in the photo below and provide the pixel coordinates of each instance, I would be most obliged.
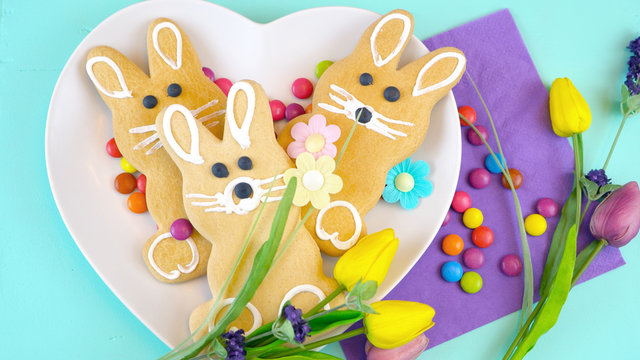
(473, 258)
(293, 110)
(474, 139)
(209, 73)
(447, 218)
(461, 201)
(181, 229)
(547, 207)
(511, 265)
(479, 178)
(302, 88)
(224, 84)
(277, 109)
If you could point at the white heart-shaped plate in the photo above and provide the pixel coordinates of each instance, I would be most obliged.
(81, 173)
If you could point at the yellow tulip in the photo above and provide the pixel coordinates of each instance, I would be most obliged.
(397, 322)
(368, 260)
(569, 111)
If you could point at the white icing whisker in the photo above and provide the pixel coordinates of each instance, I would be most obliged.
(143, 129)
(204, 107)
(146, 141)
(212, 124)
(154, 148)
(212, 115)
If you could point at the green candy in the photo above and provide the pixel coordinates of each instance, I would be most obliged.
(322, 66)
(471, 282)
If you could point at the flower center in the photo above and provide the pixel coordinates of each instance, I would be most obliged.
(314, 143)
(404, 182)
(313, 180)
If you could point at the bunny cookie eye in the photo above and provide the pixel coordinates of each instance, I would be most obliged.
(366, 79)
(174, 90)
(149, 101)
(245, 163)
(391, 94)
(219, 170)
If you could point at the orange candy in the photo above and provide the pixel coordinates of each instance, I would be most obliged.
(516, 177)
(125, 183)
(137, 203)
(452, 244)
(308, 109)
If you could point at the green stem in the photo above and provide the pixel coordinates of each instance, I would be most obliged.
(524, 329)
(293, 234)
(615, 141)
(346, 142)
(316, 344)
(325, 301)
(325, 312)
(577, 176)
(584, 211)
(600, 245)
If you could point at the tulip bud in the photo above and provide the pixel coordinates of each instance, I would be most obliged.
(397, 322)
(569, 111)
(368, 260)
(408, 351)
(617, 217)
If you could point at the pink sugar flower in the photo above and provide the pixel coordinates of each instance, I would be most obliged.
(315, 138)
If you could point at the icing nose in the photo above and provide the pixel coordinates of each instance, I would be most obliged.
(243, 190)
(363, 115)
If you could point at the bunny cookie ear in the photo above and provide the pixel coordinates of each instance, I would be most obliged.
(439, 71)
(247, 116)
(386, 39)
(112, 73)
(169, 48)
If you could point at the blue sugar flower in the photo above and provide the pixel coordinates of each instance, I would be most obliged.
(407, 183)
(234, 344)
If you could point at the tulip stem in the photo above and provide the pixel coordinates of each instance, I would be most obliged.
(324, 312)
(316, 344)
(615, 141)
(601, 243)
(324, 301)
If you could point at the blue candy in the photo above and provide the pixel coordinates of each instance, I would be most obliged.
(451, 271)
(491, 164)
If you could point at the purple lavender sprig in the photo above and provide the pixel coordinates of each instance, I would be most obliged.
(599, 177)
(633, 72)
(301, 327)
(234, 344)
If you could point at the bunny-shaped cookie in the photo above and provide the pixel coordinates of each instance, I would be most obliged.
(225, 182)
(392, 108)
(135, 99)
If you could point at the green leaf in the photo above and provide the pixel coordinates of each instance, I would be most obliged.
(265, 348)
(607, 188)
(584, 255)
(334, 319)
(624, 92)
(309, 355)
(634, 103)
(557, 295)
(218, 349)
(590, 188)
(283, 330)
(360, 293)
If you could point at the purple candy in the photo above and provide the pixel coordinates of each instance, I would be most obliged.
(479, 178)
(473, 258)
(547, 207)
(474, 139)
(447, 218)
(209, 73)
(511, 265)
(293, 110)
(181, 229)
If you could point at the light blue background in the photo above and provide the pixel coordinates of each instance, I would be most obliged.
(54, 306)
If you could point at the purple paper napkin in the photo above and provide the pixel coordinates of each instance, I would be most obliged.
(501, 66)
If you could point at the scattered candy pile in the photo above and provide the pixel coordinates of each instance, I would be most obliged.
(126, 182)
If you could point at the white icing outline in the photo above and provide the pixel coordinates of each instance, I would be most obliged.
(174, 274)
(305, 288)
(454, 75)
(350, 104)
(241, 135)
(323, 235)
(122, 94)
(223, 201)
(257, 317)
(175, 65)
(193, 157)
(377, 59)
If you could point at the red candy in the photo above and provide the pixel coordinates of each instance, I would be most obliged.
(141, 183)
(112, 149)
(469, 113)
(461, 201)
(302, 88)
(277, 109)
(482, 236)
(224, 84)
(125, 183)
(473, 137)
(293, 111)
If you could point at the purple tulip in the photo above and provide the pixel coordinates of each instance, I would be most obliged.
(617, 218)
(408, 351)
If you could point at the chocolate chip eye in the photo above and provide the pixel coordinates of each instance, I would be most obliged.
(149, 101)
(245, 163)
(219, 170)
(391, 94)
(243, 190)
(366, 79)
(174, 90)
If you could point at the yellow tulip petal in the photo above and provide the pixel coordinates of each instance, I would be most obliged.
(325, 164)
(332, 184)
(305, 162)
(397, 322)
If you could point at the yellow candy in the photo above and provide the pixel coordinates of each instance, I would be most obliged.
(535, 224)
(472, 218)
(126, 166)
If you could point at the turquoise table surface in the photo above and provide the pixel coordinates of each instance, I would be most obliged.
(54, 306)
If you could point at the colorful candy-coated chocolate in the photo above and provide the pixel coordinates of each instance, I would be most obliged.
(181, 229)
(322, 66)
(124, 164)
(447, 218)
(471, 282)
(224, 84)
(511, 265)
(461, 201)
(547, 207)
(308, 108)
(469, 113)
(408, 351)
(125, 183)
(452, 244)
(451, 271)
(137, 203)
(479, 178)
(516, 178)
(472, 218)
(277, 109)
(482, 236)
(473, 137)
(535, 224)
(473, 258)
(141, 183)
(302, 88)
(491, 164)
(209, 73)
(112, 148)
(293, 110)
